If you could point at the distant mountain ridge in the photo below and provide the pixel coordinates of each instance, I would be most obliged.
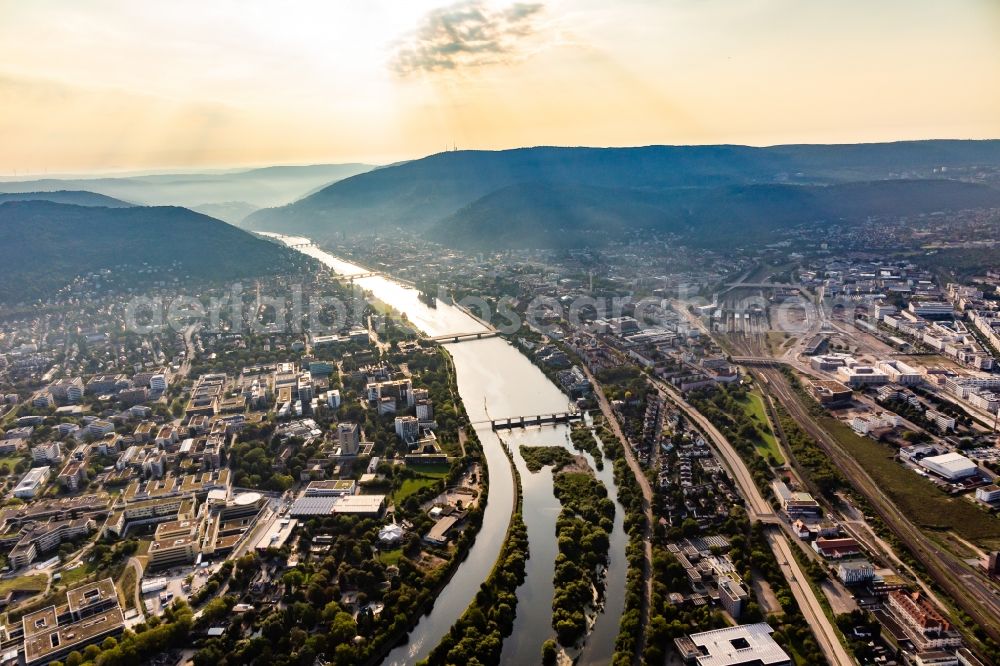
(266, 186)
(547, 215)
(46, 245)
(75, 197)
(481, 196)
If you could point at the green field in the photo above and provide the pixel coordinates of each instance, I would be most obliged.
(126, 587)
(11, 461)
(390, 557)
(428, 475)
(32, 583)
(72, 576)
(767, 447)
(915, 496)
(411, 486)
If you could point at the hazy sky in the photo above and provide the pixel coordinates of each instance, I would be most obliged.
(112, 84)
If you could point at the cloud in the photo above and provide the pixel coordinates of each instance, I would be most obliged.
(467, 34)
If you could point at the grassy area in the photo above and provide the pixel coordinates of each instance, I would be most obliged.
(915, 496)
(390, 557)
(767, 446)
(775, 340)
(427, 475)
(142, 554)
(71, 577)
(32, 583)
(11, 461)
(439, 471)
(411, 486)
(126, 587)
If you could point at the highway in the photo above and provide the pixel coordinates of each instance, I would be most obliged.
(759, 509)
(805, 596)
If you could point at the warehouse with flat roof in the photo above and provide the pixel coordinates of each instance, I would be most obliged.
(950, 466)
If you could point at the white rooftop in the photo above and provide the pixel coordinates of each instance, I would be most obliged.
(324, 506)
(952, 462)
(391, 532)
(743, 644)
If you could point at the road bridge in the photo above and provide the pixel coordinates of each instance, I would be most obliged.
(461, 337)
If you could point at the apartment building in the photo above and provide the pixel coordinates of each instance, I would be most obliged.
(985, 400)
(73, 475)
(400, 391)
(942, 422)
(36, 539)
(899, 372)
(349, 438)
(865, 424)
(407, 428)
(102, 384)
(47, 452)
(158, 382)
(921, 621)
(100, 428)
(68, 390)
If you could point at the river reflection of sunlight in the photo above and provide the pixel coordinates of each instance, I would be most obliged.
(496, 381)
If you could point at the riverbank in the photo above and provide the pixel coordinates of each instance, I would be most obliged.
(490, 617)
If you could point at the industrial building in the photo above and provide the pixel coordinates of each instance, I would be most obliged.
(950, 466)
(830, 393)
(363, 505)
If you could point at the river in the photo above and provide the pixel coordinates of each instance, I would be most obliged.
(519, 389)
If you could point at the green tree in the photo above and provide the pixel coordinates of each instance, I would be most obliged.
(550, 652)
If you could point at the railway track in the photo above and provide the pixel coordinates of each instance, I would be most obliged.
(968, 589)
